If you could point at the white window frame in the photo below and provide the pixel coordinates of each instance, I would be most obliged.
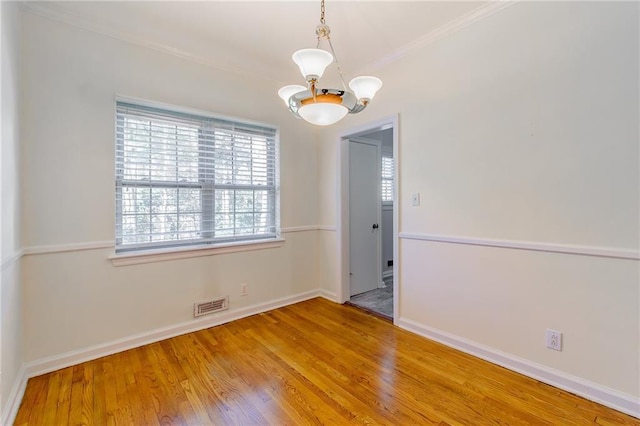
(149, 252)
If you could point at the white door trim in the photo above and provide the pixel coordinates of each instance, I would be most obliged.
(342, 214)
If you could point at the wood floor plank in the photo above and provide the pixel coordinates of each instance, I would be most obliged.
(99, 412)
(163, 385)
(401, 379)
(257, 382)
(312, 363)
(64, 395)
(337, 373)
(51, 402)
(198, 372)
(135, 395)
(77, 391)
(146, 406)
(33, 399)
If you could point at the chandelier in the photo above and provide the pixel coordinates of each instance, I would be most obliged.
(319, 106)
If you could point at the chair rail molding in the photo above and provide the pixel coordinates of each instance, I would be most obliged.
(611, 252)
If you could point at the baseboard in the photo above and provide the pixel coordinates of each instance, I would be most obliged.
(16, 393)
(387, 274)
(329, 295)
(576, 385)
(56, 362)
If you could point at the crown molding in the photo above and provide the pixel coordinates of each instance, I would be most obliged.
(476, 15)
(51, 11)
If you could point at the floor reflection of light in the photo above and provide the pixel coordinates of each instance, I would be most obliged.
(387, 378)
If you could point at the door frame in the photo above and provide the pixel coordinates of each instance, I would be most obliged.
(342, 214)
(378, 145)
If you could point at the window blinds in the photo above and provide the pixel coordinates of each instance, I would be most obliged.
(184, 179)
(387, 179)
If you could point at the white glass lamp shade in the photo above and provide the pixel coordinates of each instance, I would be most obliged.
(312, 62)
(287, 91)
(323, 114)
(365, 87)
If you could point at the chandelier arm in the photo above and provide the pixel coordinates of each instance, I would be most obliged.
(344, 85)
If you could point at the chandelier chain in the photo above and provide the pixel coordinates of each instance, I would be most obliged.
(323, 32)
(344, 86)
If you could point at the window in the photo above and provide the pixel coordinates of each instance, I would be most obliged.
(184, 179)
(387, 180)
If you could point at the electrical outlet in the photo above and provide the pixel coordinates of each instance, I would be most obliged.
(554, 340)
(244, 289)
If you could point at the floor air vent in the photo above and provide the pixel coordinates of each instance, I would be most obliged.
(210, 306)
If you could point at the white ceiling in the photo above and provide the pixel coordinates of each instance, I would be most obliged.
(258, 38)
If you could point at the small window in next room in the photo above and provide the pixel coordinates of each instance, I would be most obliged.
(185, 179)
(387, 180)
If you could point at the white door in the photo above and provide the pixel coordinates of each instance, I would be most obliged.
(364, 216)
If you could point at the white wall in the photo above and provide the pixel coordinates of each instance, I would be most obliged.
(522, 127)
(77, 299)
(10, 295)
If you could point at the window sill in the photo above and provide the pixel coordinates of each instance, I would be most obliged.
(162, 255)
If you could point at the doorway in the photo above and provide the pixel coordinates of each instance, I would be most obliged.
(369, 219)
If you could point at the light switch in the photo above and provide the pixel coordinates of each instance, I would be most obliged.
(415, 199)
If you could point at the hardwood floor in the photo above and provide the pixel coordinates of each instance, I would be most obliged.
(315, 362)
